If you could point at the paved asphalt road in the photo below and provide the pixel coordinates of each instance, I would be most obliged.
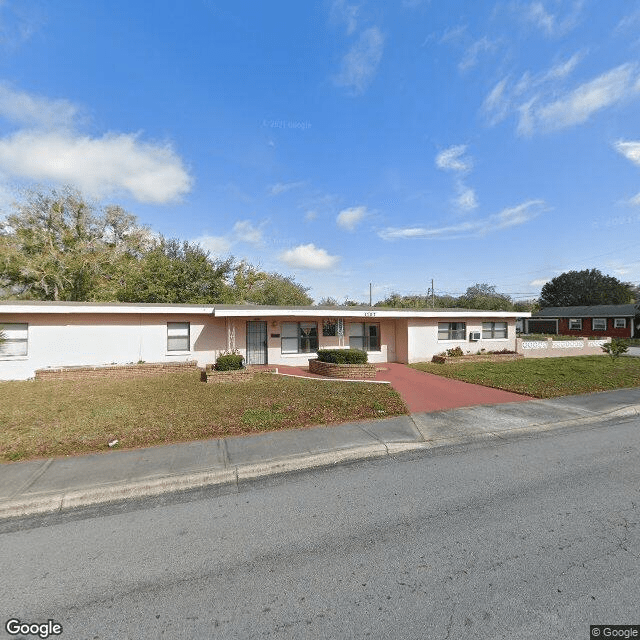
(534, 538)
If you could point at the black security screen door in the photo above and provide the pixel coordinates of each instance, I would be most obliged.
(256, 343)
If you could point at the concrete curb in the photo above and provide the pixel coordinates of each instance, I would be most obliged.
(245, 472)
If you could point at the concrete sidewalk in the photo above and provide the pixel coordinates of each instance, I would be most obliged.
(64, 483)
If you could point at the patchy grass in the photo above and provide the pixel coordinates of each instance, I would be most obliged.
(545, 377)
(45, 418)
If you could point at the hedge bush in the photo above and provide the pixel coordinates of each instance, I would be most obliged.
(229, 362)
(343, 356)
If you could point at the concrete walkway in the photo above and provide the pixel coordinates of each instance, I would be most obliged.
(64, 483)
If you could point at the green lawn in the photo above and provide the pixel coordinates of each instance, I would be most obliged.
(545, 377)
(44, 418)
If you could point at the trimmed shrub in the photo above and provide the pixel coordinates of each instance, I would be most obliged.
(229, 362)
(343, 356)
(455, 352)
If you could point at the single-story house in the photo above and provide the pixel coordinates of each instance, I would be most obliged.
(42, 335)
(606, 320)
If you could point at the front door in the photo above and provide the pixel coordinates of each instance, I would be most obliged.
(256, 343)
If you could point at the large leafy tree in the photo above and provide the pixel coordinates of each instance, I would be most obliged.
(175, 271)
(259, 287)
(584, 288)
(485, 296)
(56, 245)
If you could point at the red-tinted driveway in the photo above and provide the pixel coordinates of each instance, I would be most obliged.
(424, 392)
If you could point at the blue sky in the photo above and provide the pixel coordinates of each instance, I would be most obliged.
(342, 142)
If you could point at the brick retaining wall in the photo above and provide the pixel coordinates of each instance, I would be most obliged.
(487, 357)
(345, 371)
(116, 371)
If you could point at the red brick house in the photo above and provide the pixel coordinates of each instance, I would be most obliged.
(613, 320)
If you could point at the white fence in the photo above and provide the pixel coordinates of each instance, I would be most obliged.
(555, 348)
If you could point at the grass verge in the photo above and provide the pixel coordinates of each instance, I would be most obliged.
(545, 377)
(45, 418)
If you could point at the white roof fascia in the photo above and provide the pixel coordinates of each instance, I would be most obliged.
(24, 309)
(360, 313)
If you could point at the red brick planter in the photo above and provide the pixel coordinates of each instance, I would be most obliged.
(345, 371)
(236, 375)
(116, 371)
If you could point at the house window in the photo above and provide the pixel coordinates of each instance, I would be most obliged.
(575, 324)
(452, 330)
(599, 324)
(364, 336)
(494, 330)
(299, 337)
(16, 339)
(178, 336)
(328, 327)
(620, 323)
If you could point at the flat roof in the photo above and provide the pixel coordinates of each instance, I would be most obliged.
(245, 310)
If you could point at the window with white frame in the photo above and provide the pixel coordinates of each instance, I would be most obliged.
(620, 323)
(299, 337)
(599, 324)
(575, 324)
(364, 336)
(16, 339)
(493, 330)
(452, 330)
(178, 336)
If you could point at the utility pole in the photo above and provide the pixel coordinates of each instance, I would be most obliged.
(433, 296)
(370, 296)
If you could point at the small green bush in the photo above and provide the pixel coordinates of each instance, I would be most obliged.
(229, 362)
(455, 352)
(615, 348)
(343, 356)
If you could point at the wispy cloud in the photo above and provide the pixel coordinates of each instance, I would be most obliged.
(540, 282)
(593, 96)
(47, 147)
(216, 245)
(506, 218)
(245, 231)
(342, 11)
(349, 218)
(308, 256)
(551, 24)
(454, 159)
(360, 64)
(630, 149)
(18, 22)
(473, 53)
(283, 187)
(508, 97)
(466, 200)
(535, 101)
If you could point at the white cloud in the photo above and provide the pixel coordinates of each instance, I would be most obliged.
(551, 24)
(308, 256)
(506, 218)
(349, 218)
(630, 150)
(470, 58)
(100, 167)
(496, 104)
(347, 13)
(360, 64)
(539, 283)
(217, 245)
(635, 201)
(244, 231)
(34, 111)
(283, 187)
(579, 105)
(466, 199)
(453, 159)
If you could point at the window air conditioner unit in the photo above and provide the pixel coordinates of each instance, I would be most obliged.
(474, 335)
